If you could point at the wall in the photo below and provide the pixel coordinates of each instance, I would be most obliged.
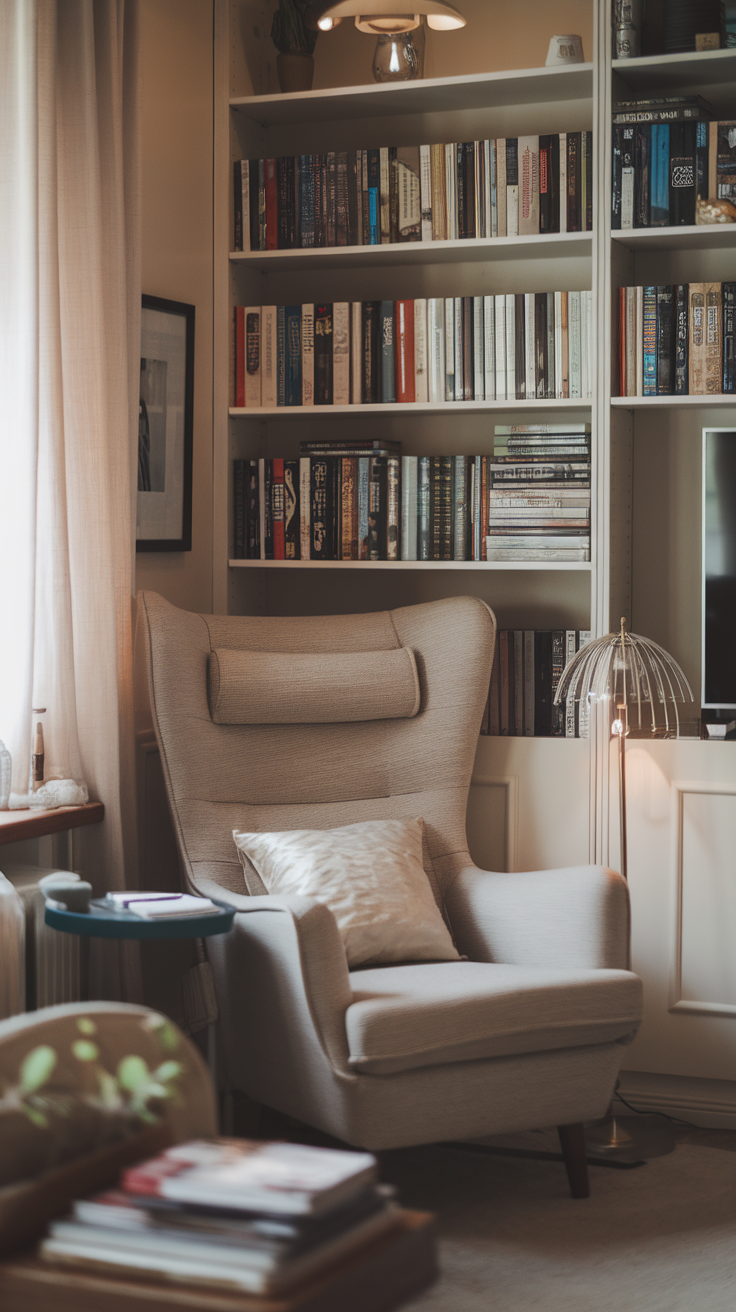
(176, 151)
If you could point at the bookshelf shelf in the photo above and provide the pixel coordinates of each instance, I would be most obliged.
(549, 246)
(670, 402)
(471, 91)
(714, 236)
(423, 566)
(406, 408)
(681, 72)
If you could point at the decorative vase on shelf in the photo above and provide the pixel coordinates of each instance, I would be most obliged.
(396, 58)
(296, 71)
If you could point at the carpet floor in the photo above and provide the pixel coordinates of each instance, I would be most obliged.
(658, 1238)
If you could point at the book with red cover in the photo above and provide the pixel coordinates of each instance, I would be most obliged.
(277, 508)
(240, 356)
(272, 205)
(404, 346)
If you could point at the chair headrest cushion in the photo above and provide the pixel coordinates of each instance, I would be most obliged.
(256, 687)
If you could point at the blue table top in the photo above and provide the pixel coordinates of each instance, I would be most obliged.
(103, 922)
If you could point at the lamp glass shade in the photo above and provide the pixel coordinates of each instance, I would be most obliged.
(386, 24)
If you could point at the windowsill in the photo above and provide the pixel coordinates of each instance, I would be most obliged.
(15, 826)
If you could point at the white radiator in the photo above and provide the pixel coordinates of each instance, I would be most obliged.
(52, 958)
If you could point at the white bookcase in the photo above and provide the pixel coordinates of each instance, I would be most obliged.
(529, 800)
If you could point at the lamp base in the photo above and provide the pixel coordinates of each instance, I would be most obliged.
(629, 1138)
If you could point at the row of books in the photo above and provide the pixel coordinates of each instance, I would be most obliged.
(527, 667)
(244, 1216)
(666, 155)
(539, 493)
(500, 187)
(462, 348)
(342, 501)
(677, 340)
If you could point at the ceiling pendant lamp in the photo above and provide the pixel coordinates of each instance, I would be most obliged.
(383, 17)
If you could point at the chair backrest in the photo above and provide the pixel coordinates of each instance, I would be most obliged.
(318, 776)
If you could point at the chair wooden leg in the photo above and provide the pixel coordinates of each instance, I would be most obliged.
(572, 1142)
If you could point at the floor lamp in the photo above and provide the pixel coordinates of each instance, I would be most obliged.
(642, 686)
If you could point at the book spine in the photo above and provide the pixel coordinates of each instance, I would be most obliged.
(470, 183)
(385, 197)
(363, 498)
(319, 518)
(642, 177)
(478, 344)
(370, 365)
(449, 349)
(459, 390)
(320, 230)
(545, 180)
(557, 391)
(468, 356)
(253, 356)
(239, 171)
(308, 355)
(388, 380)
(563, 181)
(540, 343)
(305, 507)
(377, 495)
(569, 708)
(518, 683)
(445, 508)
(356, 352)
(349, 509)
(659, 204)
(665, 341)
(574, 344)
(374, 197)
(477, 502)
(701, 160)
(409, 473)
(283, 215)
(393, 192)
(650, 341)
(409, 187)
(277, 508)
(616, 143)
(239, 343)
(252, 217)
(323, 354)
(434, 507)
(353, 208)
(341, 353)
(291, 510)
(341, 215)
(500, 336)
(512, 186)
(510, 346)
(393, 506)
(493, 161)
(436, 348)
(293, 318)
(697, 339)
(425, 192)
(421, 379)
(253, 517)
(460, 507)
(489, 348)
(271, 204)
(331, 196)
(529, 186)
(423, 508)
(501, 198)
(542, 683)
(558, 665)
(682, 180)
(728, 382)
(239, 510)
(573, 182)
(267, 502)
(639, 340)
(587, 164)
(439, 202)
(450, 173)
(681, 339)
(306, 200)
(554, 169)
(530, 368)
(462, 225)
(713, 340)
(281, 355)
(262, 508)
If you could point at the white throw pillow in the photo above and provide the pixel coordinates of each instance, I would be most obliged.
(371, 877)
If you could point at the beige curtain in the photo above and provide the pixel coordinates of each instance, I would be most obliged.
(70, 332)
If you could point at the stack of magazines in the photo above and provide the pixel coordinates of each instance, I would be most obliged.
(242, 1215)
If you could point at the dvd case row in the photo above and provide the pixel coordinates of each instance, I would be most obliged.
(507, 186)
(463, 348)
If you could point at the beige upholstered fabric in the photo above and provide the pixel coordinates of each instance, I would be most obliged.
(282, 976)
(371, 877)
(403, 1017)
(254, 687)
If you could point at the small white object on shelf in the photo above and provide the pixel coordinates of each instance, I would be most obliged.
(719, 731)
(154, 906)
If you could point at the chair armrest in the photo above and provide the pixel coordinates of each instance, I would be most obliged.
(577, 917)
(287, 952)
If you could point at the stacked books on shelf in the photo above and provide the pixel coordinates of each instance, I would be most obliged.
(667, 154)
(463, 348)
(527, 667)
(539, 493)
(677, 340)
(246, 1216)
(510, 186)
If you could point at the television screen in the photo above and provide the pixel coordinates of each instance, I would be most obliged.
(719, 568)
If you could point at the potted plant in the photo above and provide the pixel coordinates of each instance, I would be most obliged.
(295, 43)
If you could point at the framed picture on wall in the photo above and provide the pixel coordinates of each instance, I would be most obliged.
(164, 509)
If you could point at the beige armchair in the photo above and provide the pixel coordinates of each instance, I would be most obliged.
(527, 1032)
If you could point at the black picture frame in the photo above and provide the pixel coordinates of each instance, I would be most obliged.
(165, 434)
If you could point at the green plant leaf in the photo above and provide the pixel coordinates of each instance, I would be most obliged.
(36, 1068)
(108, 1087)
(85, 1051)
(132, 1073)
(37, 1118)
(86, 1026)
(168, 1070)
(168, 1037)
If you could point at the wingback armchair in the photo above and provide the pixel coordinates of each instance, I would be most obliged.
(528, 1031)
